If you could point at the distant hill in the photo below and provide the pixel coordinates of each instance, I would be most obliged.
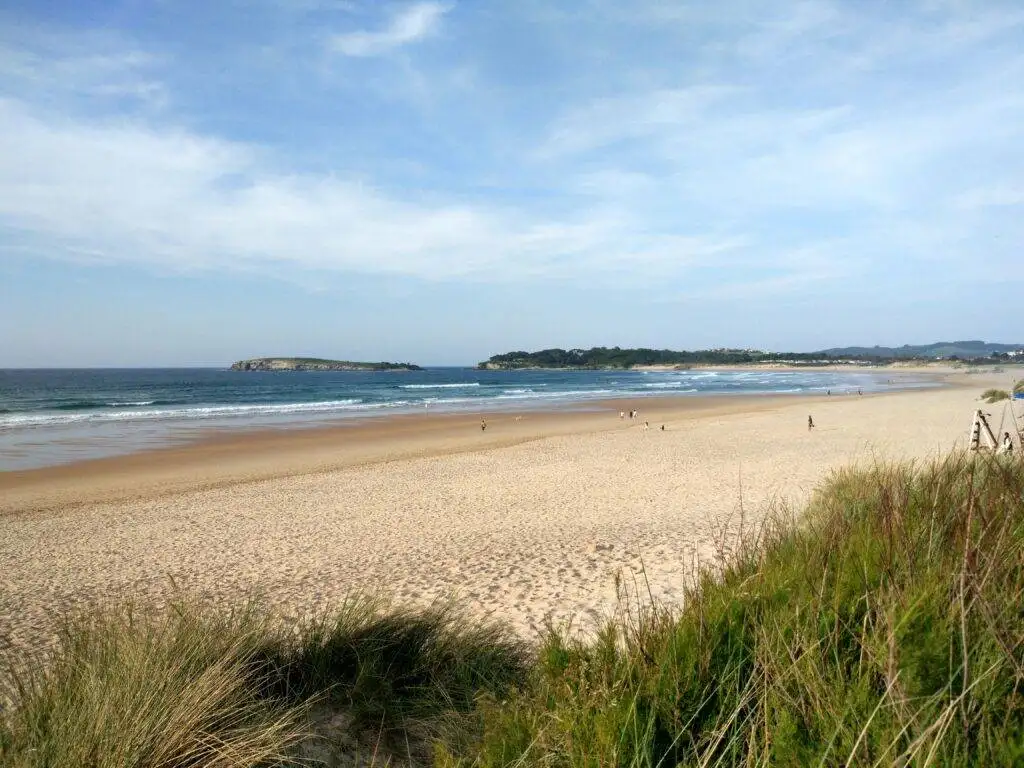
(616, 357)
(316, 364)
(964, 350)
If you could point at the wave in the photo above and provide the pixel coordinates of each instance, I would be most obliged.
(79, 405)
(577, 393)
(441, 386)
(196, 412)
(90, 405)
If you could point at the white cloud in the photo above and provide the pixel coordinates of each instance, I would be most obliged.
(414, 23)
(992, 197)
(48, 65)
(124, 193)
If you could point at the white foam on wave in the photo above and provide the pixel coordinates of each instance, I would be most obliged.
(555, 395)
(529, 395)
(442, 386)
(131, 402)
(191, 413)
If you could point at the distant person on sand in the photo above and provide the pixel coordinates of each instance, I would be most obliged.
(810, 423)
(828, 392)
(622, 414)
(1007, 443)
(647, 425)
(662, 427)
(483, 424)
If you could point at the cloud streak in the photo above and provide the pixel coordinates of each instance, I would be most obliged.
(414, 23)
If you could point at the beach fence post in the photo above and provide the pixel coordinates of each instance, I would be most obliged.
(979, 426)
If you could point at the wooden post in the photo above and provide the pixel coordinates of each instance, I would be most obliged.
(975, 431)
(988, 431)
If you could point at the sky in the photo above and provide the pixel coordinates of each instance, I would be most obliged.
(190, 183)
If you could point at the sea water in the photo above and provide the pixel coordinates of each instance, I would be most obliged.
(61, 415)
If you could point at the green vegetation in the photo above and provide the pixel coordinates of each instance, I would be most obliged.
(316, 364)
(995, 395)
(972, 352)
(189, 687)
(614, 357)
(1018, 388)
(966, 350)
(883, 627)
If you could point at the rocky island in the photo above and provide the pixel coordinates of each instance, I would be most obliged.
(316, 364)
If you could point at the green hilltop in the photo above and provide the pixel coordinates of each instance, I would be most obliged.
(617, 357)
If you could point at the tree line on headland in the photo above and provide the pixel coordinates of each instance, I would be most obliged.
(615, 357)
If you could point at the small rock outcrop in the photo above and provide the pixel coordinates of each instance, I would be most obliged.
(316, 364)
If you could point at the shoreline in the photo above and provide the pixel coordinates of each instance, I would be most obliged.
(29, 453)
(228, 456)
(532, 521)
(225, 456)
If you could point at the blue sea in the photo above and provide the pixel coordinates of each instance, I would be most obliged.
(62, 415)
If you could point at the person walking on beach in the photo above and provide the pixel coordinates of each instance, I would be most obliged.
(622, 415)
(483, 425)
(810, 423)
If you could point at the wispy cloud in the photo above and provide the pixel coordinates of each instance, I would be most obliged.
(409, 25)
(117, 193)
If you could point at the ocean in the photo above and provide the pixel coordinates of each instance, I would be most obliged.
(56, 416)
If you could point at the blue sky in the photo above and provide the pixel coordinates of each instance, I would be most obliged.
(187, 182)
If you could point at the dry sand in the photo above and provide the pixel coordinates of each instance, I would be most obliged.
(529, 521)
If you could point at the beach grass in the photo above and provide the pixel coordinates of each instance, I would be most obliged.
(883, 625)
(995, 395)
(191, 686)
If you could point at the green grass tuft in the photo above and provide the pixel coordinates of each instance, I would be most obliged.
(136, 689)
(995, 395)
(191, 687)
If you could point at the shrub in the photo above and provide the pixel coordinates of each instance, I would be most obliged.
(995, 395)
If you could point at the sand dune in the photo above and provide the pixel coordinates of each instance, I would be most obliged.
(528, 522)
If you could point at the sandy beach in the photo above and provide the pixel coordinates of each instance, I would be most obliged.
(528, 521)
